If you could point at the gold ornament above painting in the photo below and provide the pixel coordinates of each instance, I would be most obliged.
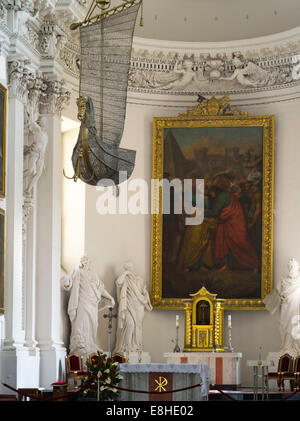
(231, 252)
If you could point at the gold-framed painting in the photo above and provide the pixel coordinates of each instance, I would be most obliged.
(3, 114)
(2, 259)
(230, 252)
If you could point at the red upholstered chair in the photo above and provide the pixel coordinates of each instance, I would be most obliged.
(93, 357)
(119, 358)
(285, 366)
(294, 376)
(74, 368)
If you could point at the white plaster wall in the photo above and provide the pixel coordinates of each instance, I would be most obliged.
(73, 206)
(73, 218)
(110, 240)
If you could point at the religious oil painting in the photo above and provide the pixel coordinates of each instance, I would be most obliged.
(3, 105)
(2, 259)
(230, 251)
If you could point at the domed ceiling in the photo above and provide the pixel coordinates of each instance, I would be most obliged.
(216, 20)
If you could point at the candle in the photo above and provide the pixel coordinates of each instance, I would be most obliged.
(177, 320)
(229, 320)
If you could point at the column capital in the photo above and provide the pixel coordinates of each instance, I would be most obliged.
(56, 97)
(18, 78)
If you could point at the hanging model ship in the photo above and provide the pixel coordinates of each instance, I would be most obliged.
(105, 42)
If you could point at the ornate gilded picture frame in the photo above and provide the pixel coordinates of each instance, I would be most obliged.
(3, 114)
(2, 259)
(231, 252)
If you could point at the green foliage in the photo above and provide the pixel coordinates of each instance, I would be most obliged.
(109, 376)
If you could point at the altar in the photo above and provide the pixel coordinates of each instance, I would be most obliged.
(224, 366)
(164, 378)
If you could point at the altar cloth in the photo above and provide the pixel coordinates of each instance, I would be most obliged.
(165, 377)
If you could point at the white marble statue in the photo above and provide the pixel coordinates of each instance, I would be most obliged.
(87, 291)
(285, 301)
(133, 299)
(35, 154)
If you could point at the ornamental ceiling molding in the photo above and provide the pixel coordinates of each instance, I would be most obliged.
(261, 64)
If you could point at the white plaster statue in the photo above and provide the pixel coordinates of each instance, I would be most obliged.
(87, 291)
(35, 154)
(185, 75)
(179, 78)
(285, 301)
(247, 74)
(133, 299)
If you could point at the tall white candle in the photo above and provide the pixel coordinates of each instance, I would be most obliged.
(177, 320)
(229, 320)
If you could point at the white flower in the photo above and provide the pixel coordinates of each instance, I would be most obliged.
(107, 370)
(115, 363)
(103, 388)
(119, 377)
(108, 380)
(112, 389)
(99, 374)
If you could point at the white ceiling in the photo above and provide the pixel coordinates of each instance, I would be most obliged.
(216, 20)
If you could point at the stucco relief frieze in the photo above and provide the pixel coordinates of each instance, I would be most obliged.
(171, 73)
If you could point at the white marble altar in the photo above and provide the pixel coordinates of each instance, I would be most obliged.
(224, 366)
(136, 377)
(133, 358)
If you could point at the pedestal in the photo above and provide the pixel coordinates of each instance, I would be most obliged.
(224, 366)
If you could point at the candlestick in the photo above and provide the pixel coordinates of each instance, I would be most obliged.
(127, 354)
(139, 350)
(230, 347)
(176, 348)
(229, 321)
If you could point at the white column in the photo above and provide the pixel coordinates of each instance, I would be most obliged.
(14, 301)
(49, 325)
(29, 268)
(15, 359)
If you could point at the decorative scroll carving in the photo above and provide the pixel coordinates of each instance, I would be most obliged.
(211, 107)
(19, 76)
(56, 97)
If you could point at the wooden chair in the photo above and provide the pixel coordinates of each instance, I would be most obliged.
(119, 358)
(93, 357)
(294, 376)
(74, 368)
(285, 365)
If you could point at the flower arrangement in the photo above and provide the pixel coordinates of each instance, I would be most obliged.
(107, 372)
